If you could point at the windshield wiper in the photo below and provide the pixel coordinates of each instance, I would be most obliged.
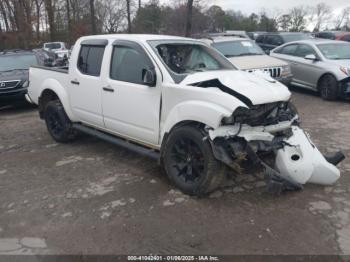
(243, 54)
(246, 54)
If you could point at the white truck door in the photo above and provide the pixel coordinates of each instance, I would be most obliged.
(130, 106)
(85, 83)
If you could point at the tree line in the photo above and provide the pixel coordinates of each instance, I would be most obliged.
(28, 23)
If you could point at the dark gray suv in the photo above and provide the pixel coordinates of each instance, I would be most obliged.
(269, 41)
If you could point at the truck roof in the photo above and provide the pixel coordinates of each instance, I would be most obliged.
(135, 37)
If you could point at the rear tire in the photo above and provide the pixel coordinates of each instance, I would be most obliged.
(328, 87)
(190, 164)
(58, 123)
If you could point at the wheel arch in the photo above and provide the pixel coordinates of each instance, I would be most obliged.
(54, 91)
(322, 76)
(177, 125)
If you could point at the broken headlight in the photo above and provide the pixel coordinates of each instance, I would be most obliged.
(266, 114)
(286, 71)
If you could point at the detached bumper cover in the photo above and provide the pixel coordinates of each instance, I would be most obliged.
(301, 162)
(297, 160)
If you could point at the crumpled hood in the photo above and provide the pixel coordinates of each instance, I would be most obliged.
(259, 89)
(256, 62)
(14, 75)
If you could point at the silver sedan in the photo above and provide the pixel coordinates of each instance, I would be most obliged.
(320, 65)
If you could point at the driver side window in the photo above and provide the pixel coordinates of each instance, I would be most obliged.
(304, 50)
(128, 64)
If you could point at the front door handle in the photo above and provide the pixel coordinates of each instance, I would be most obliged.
(108, 89)
(75, 82)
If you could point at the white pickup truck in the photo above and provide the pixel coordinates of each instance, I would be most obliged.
(182, 102)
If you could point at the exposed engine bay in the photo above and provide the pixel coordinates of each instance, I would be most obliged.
(273, 129)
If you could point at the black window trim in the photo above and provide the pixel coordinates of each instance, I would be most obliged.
(90, 46)
(137, 47)
(94, 42)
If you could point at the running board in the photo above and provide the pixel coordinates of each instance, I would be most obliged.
(118, 141)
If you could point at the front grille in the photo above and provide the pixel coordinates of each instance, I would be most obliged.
(273, 72)
(9, 84)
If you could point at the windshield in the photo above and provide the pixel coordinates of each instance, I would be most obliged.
(53, 46)
(295, 37)
(189, 58)
(335, 51)
(238, 48)
(12, 62)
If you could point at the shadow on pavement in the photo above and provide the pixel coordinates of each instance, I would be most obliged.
(312, 93)
(19, 107)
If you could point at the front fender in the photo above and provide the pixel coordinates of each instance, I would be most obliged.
(56, 86)
(198, 111)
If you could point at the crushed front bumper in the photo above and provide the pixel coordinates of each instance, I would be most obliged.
(297, 160)
(344, 90)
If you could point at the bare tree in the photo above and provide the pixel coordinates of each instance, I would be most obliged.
(38, 4)
(343, 19)
(128, 11)
(92, 16)
(284, 22)
(189, 18)
(51, 19)
(298, 18)
(112, 14)
(321, 14)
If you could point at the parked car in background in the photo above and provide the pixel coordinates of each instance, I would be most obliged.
(14, 66)
(181, 102)
(334, 35)
(241, 34)
(246, 55)
(320, 65)
(59, 48)
(270, 41)
(254, 35)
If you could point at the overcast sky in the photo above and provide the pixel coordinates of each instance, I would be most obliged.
(249, 6)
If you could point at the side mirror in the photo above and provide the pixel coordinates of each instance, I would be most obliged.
(311, 57)
(149, 77)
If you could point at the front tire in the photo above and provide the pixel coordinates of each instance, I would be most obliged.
(58, 123)
(328, 87)
(189, 162)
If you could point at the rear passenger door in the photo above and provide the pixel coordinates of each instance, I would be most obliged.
(130, 107)
(85, 82)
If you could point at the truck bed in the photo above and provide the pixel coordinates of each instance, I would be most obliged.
(41, 78)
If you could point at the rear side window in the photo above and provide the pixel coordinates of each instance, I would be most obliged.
(128, 64)
(274, 40)
(287, 50)
(260, 39)
(90, 59)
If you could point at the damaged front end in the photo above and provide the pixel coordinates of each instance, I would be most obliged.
(273, 130)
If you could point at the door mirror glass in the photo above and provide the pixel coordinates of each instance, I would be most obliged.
(311, 57)
(149, 77)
